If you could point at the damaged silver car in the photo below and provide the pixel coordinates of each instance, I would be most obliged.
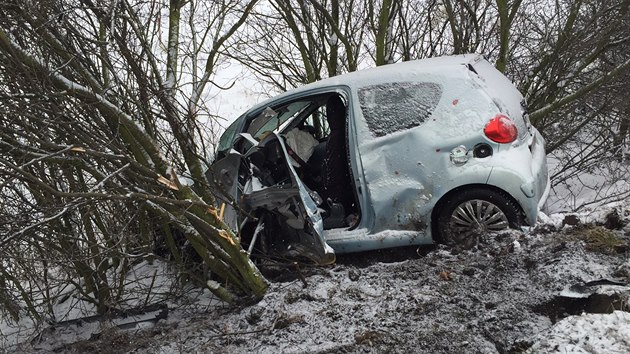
(432, 150)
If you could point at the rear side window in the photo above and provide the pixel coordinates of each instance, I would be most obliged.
(392, 107)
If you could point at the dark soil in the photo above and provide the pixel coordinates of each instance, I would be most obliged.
(491, 299)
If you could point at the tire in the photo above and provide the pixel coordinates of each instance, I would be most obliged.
(468, 215)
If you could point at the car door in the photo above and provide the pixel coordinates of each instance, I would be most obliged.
(287, 207)
(391, 150)
(258, 176)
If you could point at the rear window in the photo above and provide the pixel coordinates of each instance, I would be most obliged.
(392, 107)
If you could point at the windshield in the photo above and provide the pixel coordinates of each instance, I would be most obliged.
(225, 143)
(270, 120)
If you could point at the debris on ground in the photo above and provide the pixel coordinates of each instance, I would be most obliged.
(560, 287)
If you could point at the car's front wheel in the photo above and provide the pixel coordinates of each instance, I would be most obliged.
(468, 215)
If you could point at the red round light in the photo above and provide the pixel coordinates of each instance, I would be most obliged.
(501, 129)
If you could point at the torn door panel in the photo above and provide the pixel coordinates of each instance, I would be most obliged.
(223, 175)
(288, 223)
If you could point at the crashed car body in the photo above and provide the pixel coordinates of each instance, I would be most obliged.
(438, 149)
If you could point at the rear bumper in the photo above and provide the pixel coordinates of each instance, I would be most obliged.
(522, 172)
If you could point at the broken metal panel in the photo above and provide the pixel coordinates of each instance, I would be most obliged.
(223, 175)
(57, 335)
(291, 203)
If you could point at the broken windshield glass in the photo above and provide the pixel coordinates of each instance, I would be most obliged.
(270, 120)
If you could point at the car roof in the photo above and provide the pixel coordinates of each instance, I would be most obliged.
(357, 78)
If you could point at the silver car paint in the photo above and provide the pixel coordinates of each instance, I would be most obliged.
(400, 177)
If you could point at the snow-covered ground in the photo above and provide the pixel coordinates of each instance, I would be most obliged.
(587, 333)
(517, 291)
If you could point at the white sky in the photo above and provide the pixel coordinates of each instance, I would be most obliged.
(245, 92)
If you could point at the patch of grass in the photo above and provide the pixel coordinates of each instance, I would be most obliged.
(597, 239)
(285, 320)
(112, 340)
(520, 347)
(374, 337)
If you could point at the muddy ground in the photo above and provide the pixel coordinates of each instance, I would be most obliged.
(492, 299)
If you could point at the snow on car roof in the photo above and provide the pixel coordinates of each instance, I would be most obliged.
(422, 66)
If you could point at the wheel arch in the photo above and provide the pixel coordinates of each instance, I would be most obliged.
(440, 203)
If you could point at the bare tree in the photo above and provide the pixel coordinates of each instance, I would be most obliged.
(103, 146)
(304, 40)
(566, 77)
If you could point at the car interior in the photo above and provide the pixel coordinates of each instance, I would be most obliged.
(326, 168)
